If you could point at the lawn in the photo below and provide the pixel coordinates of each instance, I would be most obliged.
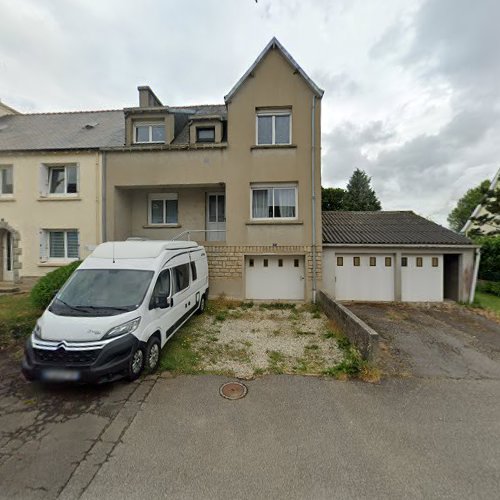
(488, 301)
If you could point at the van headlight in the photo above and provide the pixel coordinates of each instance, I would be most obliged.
(128, 327)
(37, 332)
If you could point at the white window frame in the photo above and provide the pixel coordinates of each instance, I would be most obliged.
(2, 194)
(64, 166)
(150, 126)
(260, 187)
(162, 196)
(273, 114)
(46, 243)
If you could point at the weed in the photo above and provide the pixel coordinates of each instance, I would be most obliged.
(276, 361)
(329, 335)
(278, 305)
(246, 305)
(304, 332)
(258, 371)
(221, 316)
(312, 347)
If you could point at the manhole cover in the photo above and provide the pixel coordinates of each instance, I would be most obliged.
(233, 390)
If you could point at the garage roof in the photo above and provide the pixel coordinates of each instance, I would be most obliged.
(386, 228)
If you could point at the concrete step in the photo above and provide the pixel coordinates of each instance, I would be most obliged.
(6, 287)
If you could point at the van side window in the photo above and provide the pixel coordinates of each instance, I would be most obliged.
(181, 277)
(162, 287)
(194, 274)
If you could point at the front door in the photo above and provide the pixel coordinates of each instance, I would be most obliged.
(7, 259)
(216, 217)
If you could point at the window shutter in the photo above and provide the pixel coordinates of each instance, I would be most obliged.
(43, 182)
(44, 244)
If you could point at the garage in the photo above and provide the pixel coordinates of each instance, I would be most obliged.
(395, 256)
(274, 277)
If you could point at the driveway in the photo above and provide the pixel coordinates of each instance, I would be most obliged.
(443, 340)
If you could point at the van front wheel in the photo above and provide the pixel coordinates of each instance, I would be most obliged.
(136, 364)
(153, 350)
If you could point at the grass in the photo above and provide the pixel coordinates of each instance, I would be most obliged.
(487, 301)
(17, 319)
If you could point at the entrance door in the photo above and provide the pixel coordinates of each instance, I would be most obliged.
(216, 217)
(7, 260)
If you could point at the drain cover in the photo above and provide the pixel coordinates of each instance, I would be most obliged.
(233, 390)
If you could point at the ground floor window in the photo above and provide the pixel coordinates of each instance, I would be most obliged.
(60, 244)
(163, 208)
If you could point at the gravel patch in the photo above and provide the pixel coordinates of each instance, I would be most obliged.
(254, 340)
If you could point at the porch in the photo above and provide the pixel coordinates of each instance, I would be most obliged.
(168, 212)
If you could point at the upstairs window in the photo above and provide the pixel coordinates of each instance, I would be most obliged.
(6, 180)
(149, 133)
(163, 208)
(274, 127)
(205, 134)
(63, 179)
(274, 202)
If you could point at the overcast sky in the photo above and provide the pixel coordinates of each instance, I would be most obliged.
(412, 88)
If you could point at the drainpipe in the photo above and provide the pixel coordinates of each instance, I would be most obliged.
(313, 200)
(474, 276)
(103, 197)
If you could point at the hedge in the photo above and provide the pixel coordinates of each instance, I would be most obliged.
(489, 268)
(492, 287)
(47, 286)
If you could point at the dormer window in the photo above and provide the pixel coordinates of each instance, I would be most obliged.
(205, 134)
(274, 127)
(149, 133)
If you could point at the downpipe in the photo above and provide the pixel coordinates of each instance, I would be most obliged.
(472, 293)
(313, 197)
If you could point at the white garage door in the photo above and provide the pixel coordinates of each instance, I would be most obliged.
(364, 277)
(422, 278)
(274, 277)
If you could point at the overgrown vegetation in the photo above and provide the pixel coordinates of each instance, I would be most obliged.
(47, 286)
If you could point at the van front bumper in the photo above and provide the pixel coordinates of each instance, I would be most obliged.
(61, 361)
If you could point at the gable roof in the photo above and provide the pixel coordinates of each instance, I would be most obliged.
(274, 44)
(476, 211)
(60, 131)
(386, 228)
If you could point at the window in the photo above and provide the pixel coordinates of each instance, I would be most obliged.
(373, 261)
(295, 262)
(274, 202)
(149, 132)
(6, 180)
(356, 261)
(404, 261)
(250, 263)
(163, 208)
(273, 127)
(435, 262)
(420, 261)
(280, 262)
(161, 289)
(63, 179)
(340, 261)
(388, 262)
(205, 134)
(194, 273)
(62, 244)
(180, 277)
(266, 262)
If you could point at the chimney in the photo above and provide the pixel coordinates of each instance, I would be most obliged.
(147, 98)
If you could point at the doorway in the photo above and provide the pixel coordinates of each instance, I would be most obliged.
(216, 217)
(451, 276)
(7, 269)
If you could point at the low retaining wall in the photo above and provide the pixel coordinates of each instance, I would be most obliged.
(357, 331)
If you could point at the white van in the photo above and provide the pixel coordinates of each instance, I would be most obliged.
(117, 311)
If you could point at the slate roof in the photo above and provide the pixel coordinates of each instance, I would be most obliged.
(386, 228)
(53, 131)
(198, 112)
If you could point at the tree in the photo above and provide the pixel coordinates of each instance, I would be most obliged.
(466, 205)
(489, 222)
(359, 195)
(332, 198)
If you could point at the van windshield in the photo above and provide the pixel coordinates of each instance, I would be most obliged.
(102, 292)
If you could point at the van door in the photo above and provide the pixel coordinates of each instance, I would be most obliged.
(159, 304)
(183, 303)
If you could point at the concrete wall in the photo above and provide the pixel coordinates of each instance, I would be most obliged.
(27, 212)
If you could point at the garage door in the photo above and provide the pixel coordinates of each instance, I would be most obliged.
(364, 277)
(422, 278)
(274, 277)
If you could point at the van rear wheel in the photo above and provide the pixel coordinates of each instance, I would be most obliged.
(153, 350)
(136, 364)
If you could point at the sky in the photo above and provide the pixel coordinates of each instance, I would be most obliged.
(412, 87)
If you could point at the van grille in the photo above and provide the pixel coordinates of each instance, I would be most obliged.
(61, 356)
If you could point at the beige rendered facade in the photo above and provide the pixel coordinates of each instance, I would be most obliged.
(212, 183)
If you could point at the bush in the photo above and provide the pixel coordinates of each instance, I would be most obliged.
(492, 287)
(47, 287)
(489, 267)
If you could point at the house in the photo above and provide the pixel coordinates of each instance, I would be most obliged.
(395, 256)
(480, 210)
(242, 177)
(50, 187)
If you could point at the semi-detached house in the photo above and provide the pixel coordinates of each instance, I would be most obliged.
(243, 178)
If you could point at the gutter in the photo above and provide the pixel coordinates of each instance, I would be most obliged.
(396, 245)
(313, 197)
(472, 293)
